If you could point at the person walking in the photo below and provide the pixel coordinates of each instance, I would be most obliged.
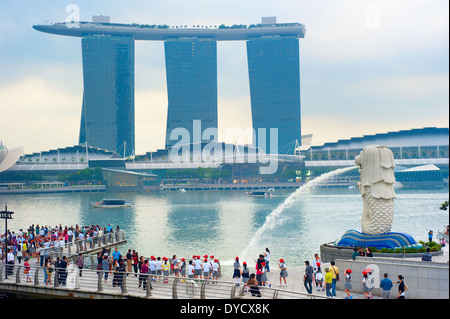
(386, 286)
(27, 269)
(367, 284)
(328, 282)
(402, 287)
(283, 272)
(348, 283)
(335, 273)
(308, 277)
(318, 277)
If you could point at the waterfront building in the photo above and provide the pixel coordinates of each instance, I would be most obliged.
(421, 155)
(107, 116)
(274, 74)
(191, 72)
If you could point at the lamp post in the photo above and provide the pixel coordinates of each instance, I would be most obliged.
(6, 215)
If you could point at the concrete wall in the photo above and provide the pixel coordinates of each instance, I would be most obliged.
(426, 280)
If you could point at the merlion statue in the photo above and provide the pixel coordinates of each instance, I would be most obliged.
(376, 186)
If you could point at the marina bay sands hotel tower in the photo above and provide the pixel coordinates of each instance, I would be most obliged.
(107, 117)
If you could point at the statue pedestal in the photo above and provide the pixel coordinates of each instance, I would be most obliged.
(353, 238)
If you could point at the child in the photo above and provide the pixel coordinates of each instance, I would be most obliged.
(215, 270)
(190, 270)
(319, 278)
(283, 272)
(158, 263)
(367, 284)
(245, 273)
(198, 267)
(26, 271)
(183, 269)
(264, 275)
(206, 268)
(237, 271)
(348, 283)
(328, 282)
(166, 269)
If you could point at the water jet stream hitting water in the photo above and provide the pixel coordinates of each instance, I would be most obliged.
(274, 218)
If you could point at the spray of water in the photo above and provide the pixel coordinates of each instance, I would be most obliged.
(275, 217)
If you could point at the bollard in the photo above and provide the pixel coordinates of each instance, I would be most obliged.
(202, 290)
(99, 282)
(148, 291)
(18, 274)
(124, 283)
(36, 276)
(174, 288)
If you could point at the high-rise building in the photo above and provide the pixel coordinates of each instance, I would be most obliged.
(191, 72)
(274, 75)
(107, 116)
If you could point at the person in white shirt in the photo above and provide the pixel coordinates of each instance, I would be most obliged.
(190, 270)
(215, 270)
(206, 268)
(315, 266)
(158, 263)
(198, 268)
(267, 259)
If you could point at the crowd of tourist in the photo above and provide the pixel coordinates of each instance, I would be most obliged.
(35, 241)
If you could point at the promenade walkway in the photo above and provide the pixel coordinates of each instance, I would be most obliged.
(92, 283)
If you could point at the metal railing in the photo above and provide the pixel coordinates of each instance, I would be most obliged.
(131, 285)
(77, 246)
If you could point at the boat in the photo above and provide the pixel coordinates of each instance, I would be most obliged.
(267, 193)
(112, 203)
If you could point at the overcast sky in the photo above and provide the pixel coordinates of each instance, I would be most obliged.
(366, 66)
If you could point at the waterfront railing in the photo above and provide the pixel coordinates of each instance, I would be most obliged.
(67, 282)
(73, 248)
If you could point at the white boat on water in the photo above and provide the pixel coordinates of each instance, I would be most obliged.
(112, 203)
(267, 193)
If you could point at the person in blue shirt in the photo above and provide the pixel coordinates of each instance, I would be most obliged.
(386, 285)
(116, 254)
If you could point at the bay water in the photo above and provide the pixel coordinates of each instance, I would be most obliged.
(229, 224)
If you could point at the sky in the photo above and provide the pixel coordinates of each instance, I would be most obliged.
(366, 66)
